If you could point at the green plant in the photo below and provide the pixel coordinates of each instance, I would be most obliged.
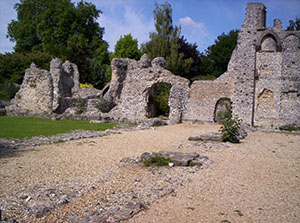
(86, 85)
(8, 91)
(190, 163)
(157, 160)
(230, 129)
(289, 127)
(162, 98)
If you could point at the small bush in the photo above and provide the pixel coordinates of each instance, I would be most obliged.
(8, 91)
(157, 160)
(290, 127)
(230, 129)
(86, 85)
(162, 98)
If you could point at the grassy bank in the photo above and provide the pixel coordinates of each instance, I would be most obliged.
(21, 127)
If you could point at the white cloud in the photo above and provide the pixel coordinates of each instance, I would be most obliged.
(196, 32)
(189, 22)
(128, 21)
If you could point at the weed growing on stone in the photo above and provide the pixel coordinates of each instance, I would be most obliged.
(157, 160)
(191, 163)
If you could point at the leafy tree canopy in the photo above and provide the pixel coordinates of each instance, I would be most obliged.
(127, 47)
(294, 25)
(55, 26)
(13, 65)
(190, 51)
(164, 42)
(217, 56)
(59, 28)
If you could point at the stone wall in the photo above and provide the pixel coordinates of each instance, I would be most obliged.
(42, 92)
(203, 99)
(131, 85)
(36, 92)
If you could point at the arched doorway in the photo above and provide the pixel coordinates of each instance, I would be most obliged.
(222, 110)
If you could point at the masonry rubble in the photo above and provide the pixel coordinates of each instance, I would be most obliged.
(262, 82)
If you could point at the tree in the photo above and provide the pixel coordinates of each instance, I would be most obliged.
(91, 71)
(13, 65)
(127, 47)
(55, 26)
(61, 29)
(190, 51)
(164, 42)
(12, 69)
(216, 57)
(294, 25)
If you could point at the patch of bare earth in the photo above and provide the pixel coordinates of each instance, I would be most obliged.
(257, 180)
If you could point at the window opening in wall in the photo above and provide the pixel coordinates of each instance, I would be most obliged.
(268, 44)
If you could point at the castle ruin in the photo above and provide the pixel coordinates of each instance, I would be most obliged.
(262, 82)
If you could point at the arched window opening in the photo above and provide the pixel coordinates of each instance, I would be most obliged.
(268, 44)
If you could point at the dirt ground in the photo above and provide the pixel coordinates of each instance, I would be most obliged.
(257, 180)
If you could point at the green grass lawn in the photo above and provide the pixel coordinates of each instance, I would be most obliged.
(21, 127)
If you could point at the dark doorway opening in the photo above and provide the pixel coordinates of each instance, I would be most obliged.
(158, 100)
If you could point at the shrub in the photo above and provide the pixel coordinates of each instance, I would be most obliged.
(162, 98)
(157, 160)
(8, 91)
(86, 85)
(290, 127)
(13, 65)
(230, 129)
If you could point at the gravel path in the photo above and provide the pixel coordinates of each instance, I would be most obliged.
(83, 180)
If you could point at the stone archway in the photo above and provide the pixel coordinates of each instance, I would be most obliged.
(158, 100)
(268, 44)
(222, 110)
(269, 41)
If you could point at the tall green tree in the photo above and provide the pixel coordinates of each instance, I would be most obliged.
(294, 25)
(164, 42)
(127, 47)
(62, 29)
(190, 51)
(55, 26)
(217, 56)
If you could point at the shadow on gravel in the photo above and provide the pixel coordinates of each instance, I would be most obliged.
(8, 151)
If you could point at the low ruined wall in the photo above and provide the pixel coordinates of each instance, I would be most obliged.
(203, 98)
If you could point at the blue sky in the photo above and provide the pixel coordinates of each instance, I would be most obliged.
(201, 20)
